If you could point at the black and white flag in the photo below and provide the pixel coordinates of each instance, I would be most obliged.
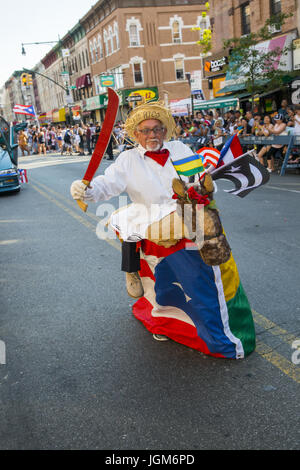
(245, 172)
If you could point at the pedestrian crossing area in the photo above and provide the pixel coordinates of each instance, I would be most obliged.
(52, 159)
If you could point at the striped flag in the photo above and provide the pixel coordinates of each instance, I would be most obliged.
(231, 150)
(22, 109)
(203, 307)
(210, 156)
(22, 176)
(189, 166)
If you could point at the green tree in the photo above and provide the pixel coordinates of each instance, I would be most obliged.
(257, 67)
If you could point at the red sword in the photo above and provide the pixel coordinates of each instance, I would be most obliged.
(102, 142)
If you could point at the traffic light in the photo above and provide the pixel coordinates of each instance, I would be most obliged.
(24, 79)
(29, 79)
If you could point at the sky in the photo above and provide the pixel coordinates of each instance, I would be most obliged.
(34, 21)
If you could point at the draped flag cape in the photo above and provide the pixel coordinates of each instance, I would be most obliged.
(203, 307)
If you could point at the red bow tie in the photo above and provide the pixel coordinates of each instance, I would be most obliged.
(160, 157)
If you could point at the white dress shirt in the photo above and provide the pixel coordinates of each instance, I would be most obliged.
(147, 183)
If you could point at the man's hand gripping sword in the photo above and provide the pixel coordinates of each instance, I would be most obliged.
(102, 142)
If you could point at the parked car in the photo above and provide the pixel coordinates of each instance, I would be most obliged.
(9, 176)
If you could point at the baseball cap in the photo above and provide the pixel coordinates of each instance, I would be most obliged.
(278, 117)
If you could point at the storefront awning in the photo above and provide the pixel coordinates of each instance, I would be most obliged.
(216, 103)
(84, 81)
(232, 88)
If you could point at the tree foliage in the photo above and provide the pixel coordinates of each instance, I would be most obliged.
(255, 65)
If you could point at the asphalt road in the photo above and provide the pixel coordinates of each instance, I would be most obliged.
(81, 372)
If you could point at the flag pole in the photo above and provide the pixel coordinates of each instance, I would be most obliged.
(36, 118)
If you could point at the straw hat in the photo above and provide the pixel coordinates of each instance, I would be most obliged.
(153, 110)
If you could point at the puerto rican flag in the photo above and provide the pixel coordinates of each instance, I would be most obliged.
(203, 307)
(231, 150)
(23, 176)
(22, 109)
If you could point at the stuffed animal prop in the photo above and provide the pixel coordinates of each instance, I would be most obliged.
(196, 219)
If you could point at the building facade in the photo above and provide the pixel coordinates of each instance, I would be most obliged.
(147, 47)
(235, 18)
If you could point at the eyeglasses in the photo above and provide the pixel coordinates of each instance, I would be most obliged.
(147, 131)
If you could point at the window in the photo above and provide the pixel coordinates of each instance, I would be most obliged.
(119, 82)
(245, 16)
(83, 59)
(106, 43)
(179, 68)
(111, 39)
(87, 58)
(100, 46)
(138, 73)
(133, 35)
(133, 27)
(203, 23)
(275, 7)
(116, 35)
(92, 52)
(96, 50)
(176, 32)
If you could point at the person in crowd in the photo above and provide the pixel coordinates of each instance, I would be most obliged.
(264, 130)
(250, 118)
(81, 141)
(59, 139)
(41, 139)
(67, 141)
(23, 142)
(284, 109)
(279, 128)
(88, 138)
(218, 134)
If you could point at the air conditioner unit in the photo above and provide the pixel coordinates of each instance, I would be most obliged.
(273, 29)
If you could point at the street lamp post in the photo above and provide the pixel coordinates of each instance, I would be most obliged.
(65, 88)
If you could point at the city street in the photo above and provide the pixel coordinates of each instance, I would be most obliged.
(81, 372)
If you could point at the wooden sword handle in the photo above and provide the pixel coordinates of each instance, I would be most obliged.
(83, 206)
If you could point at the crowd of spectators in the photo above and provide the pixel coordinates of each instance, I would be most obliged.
(78, 139)
(210, 128)
(206, 128)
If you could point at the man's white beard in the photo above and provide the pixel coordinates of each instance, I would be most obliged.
(152, 148)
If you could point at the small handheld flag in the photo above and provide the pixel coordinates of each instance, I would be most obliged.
(209, 155)
(23, 176)
(189, 166)
(231, 150)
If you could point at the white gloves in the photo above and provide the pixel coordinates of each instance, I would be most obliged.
(78, 189)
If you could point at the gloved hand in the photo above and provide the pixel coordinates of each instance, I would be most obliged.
(78, 189)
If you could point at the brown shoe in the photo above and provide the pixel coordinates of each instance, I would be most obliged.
(134, 285)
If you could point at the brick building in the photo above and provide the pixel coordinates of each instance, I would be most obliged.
(145, 45)
(235, 18)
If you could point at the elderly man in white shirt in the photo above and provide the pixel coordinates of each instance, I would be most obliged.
(145, 173)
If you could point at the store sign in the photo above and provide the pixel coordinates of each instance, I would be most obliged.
(296, 54)
(107, 81)
(91, 103)
(134, 98)
(196, 80)
(212, 66)
(140, 96)
(65, 52)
